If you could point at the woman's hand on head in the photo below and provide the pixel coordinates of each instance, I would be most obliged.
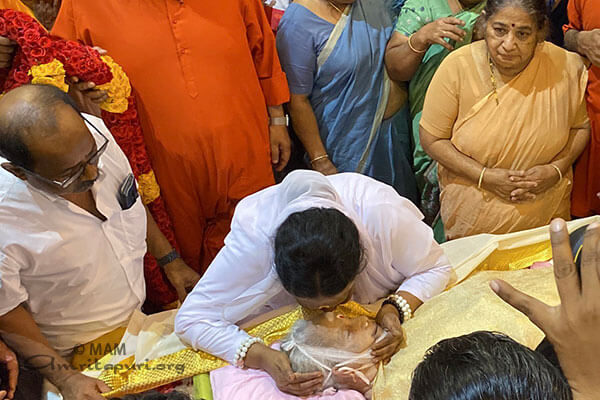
(388, 318)
(277, 364)
(437, 31)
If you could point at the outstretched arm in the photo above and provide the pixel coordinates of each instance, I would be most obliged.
(572, 327)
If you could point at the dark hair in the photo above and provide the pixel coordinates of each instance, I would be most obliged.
(174, 395)
(486, 366)
(317, 252)
(32, 115)
(536, 8)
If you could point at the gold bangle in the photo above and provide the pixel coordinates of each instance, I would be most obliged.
(314, 160)
(413, 48)
(481, 178)
(559, 173)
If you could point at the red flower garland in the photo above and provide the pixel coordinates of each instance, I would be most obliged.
(36, 47)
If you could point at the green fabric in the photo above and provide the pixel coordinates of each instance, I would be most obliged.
(414, 15)
(202, 387)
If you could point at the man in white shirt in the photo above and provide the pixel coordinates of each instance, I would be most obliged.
(73, 238)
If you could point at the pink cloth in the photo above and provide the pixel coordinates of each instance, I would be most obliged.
(234, 383)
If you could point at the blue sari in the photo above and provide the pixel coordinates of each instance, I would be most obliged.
(349, 96)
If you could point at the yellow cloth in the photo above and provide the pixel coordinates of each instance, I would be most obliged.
(133, 376)
(16, 5)
(470, 306)
(88, 354)
(530, 126)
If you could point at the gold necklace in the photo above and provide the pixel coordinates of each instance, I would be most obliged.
(335, 7)
(494, 81)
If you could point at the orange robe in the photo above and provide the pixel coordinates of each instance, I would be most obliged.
(16, 5)
(584, 15)
(204, 73)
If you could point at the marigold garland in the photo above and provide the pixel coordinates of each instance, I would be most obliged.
(44, 59)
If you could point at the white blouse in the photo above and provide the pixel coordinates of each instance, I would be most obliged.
(242, 282)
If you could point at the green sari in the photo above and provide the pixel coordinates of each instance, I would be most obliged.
(414, 15)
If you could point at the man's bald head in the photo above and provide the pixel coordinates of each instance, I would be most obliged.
(27, 114)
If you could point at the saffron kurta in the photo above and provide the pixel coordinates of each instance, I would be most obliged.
(204, 73)
(584, 15)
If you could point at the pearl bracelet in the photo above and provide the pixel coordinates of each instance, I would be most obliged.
(401, 305)
(240, 355)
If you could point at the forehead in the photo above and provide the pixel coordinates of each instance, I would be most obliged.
(513, 16)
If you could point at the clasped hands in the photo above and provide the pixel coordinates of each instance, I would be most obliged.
(520, 186)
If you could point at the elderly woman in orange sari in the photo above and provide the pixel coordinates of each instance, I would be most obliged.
(506, 118)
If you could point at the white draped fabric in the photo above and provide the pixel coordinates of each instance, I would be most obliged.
(242, 281)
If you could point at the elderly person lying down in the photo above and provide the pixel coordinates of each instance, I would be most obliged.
(336, 345)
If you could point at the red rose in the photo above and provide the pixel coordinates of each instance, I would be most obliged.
(2, 27)
(12, 32)
(45, 42)
(38, 52)
(21, 77)
(31, 36)
(19, 23)
(9, 14)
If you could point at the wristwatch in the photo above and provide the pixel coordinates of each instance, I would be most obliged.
(279, 121)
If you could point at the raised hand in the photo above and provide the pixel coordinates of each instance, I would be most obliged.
(437, 31)
(573, 326)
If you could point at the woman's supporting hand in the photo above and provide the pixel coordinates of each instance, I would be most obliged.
(349, 380)
(437, 31)
(277, 364)
(389, 319)
(572, 327)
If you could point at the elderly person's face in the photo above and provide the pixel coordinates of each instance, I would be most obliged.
(350, 334)
(511, 36)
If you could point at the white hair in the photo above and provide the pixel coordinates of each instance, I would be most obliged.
(309, 350)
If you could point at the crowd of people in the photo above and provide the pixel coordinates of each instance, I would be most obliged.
(312, 158)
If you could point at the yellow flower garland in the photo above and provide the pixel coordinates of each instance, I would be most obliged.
(118, 89)
(52, 73)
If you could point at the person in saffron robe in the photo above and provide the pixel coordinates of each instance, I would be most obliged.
(583, 36)
(209, 88)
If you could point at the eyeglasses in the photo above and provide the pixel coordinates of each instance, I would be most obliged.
(93, 160)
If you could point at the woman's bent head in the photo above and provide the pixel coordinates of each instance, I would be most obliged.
(513, 28)
(318, 254)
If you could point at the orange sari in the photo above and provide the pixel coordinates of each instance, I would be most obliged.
(530, 126)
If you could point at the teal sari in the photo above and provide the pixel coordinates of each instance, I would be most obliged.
(413, 16)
